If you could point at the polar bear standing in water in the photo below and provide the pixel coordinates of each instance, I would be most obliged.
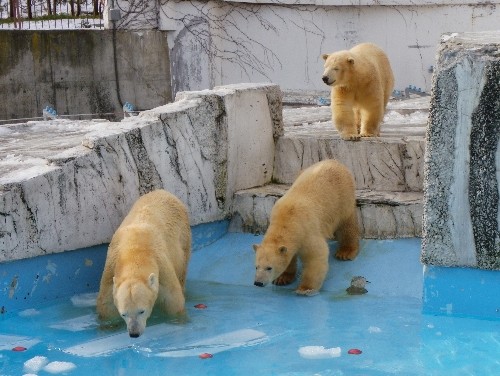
(146, 263)
(320, 203)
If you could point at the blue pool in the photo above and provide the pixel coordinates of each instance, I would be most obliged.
(234, 328)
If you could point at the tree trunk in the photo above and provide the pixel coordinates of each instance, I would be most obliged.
(30, 12)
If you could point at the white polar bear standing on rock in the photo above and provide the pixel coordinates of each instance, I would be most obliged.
(362, 82)
(146, 262)
(320, 203)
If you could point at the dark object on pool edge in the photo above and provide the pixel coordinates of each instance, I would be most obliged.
(357, 287)
(354, 351)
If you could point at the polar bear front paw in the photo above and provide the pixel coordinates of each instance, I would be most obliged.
(350, 137)
(306, 291)
(284, 279)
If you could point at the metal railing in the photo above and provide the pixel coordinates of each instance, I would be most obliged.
(51, 14)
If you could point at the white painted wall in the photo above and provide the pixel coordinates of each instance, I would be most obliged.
(224, 42)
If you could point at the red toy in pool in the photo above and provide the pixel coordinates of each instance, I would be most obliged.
(200, 306)
(206, 356)
(19, 348)
(354, 351)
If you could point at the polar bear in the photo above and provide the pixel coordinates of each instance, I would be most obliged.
(320, 203)
(146, 263)
(362, 82)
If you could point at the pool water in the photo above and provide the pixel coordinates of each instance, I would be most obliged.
(246, 330)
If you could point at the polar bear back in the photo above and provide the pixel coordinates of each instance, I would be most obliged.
(322, 197)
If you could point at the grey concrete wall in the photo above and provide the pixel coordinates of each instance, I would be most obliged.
(462, 161)
(74, 71)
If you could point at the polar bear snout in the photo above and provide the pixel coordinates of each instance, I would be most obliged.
(325, 79)
(258, 284)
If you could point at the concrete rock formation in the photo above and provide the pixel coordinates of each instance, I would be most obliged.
(461, 199)
(68, 184)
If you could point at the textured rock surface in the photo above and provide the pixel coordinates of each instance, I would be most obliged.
(388, 170)
(382, 215)
(68, 184)
(392, 162)
(461, 213)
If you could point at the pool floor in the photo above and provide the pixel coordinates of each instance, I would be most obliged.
(248, 330)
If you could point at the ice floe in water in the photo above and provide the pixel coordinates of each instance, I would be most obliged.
(29, 312)
(35, 364)
(216, 344)
(84, 300)
(77, 324)
(116, 342)
(8, 342)
(319, 352)
(59, 367)
(374, 329)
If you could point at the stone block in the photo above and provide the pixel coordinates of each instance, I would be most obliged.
(462, 161)
(67, 184)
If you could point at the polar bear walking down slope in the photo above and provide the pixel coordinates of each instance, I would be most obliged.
(320, 203)
(362, 82)
(146, 263)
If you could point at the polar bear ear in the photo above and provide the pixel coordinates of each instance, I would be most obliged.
(282, 249)
(153, 281)
(255, 247)
(350, 60)
(325, 56)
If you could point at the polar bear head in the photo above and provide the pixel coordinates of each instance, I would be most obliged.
(270, 262)
(134, 298)
(338, 68)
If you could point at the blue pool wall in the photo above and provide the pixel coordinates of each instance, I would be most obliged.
(41, 280)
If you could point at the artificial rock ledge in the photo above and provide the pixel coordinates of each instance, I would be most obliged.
(68, 184)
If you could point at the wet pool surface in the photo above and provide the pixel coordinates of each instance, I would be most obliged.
(235, 328)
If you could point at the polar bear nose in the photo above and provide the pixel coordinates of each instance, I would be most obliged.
(259, 284)
(134, 335)
(325, 79)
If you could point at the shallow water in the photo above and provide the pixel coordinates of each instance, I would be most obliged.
(260, 331)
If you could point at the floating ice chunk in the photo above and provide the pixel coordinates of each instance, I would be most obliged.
(374, 329)
(29, 312)
(109, 344)
(213, 345)
(84, 300)
(34, 365)
(59, 367)
(8, 342)
(77, 324)
(319, 352)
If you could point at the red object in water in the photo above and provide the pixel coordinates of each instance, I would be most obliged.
(354, 351)
(206, 356)
(200, 306)
(19, 348)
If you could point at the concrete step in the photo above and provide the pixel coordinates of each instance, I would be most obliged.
(381, 214)
(392, 162)
(388, 170)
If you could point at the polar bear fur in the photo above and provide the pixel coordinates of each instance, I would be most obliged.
(146, 263)
(361, 81)
(320, 203)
